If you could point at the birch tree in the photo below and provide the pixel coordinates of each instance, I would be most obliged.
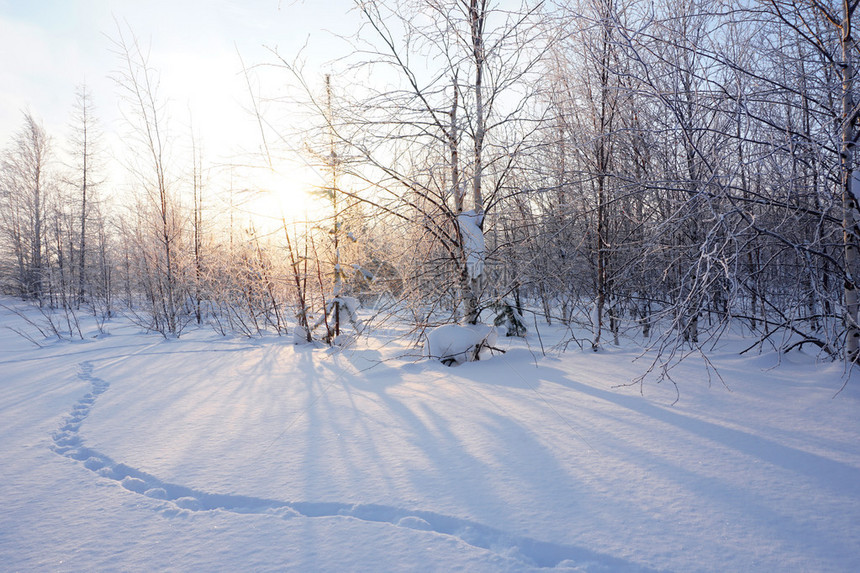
(826, 31)
(85, 148)
(439, 147)
(25, 188)
(162, 238)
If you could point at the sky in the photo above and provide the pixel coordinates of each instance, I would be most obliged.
(48, 47)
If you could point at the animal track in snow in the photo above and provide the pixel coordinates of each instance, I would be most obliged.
(67, 442)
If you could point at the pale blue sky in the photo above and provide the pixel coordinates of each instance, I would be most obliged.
(47, 47)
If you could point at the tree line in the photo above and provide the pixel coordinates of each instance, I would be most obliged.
(664, 170)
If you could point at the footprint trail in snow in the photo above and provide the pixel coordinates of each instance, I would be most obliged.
(67, 442)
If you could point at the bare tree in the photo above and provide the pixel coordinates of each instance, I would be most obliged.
(26, 188)
(85, 148)
(138, 84)
(438, 151)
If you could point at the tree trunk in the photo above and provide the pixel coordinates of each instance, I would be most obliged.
(849, 203)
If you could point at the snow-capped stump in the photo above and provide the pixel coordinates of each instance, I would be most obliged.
(473, 241)
(454, 344)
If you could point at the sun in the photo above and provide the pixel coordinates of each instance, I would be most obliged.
(283, 195)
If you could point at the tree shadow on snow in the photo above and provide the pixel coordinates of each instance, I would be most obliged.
(178, 499)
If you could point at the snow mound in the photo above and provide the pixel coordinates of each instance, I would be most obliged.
(454, 344)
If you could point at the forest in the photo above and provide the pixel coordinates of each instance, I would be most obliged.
(665, 171)
(476, 285)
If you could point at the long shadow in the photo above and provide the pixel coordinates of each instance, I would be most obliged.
(67, 442)
(827, 472)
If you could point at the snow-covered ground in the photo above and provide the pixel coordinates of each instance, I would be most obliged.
(130, 452)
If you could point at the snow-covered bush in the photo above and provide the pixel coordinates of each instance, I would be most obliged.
(300, 335)
(349, 306)
(512, 321)
(454, 344)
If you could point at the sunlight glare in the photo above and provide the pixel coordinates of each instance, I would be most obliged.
(282, 195)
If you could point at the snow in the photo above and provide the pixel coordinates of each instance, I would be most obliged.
(347, 304)
(130, 452)
(855, 185)
(456, 344)
(473, 242)
(300, 334)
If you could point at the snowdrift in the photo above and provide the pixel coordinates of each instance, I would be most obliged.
(130, 452)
